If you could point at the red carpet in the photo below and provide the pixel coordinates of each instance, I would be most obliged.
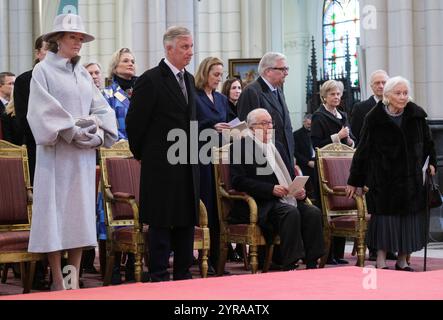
(325, 284)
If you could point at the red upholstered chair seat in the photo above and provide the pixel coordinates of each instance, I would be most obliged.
(125, 234)
(14, 241)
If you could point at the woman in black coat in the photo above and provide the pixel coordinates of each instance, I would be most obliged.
(331, 125)
(395, 143)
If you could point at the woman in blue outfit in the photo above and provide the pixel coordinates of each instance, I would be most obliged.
(118, 94)
(212, 113)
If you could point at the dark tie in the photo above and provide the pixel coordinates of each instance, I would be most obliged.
(181, 82)
(280, 103)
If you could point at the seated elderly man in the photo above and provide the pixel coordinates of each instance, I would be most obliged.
(258, 168)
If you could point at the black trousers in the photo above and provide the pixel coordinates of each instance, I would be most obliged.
(300, 230)
(161, 241)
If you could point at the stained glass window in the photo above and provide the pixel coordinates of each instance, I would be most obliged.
(341, 21)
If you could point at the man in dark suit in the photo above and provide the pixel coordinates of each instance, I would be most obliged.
(163, 102)
(266, 92)
(304, 152)
(21, 97)
(7, 124)
(267, 178)
(360, 110)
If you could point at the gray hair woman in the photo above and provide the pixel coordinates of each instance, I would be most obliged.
(395, 143)
(69, 119)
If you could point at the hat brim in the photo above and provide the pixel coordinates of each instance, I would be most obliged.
(87, 36)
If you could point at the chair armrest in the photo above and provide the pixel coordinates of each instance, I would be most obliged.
(125, 198)
(29, 195)
(122, 196)
(236, 195)
(340, 191)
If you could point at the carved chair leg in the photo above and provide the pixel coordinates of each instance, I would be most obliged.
(268, 258)
(110, 258)
(29, 276)
(245, 256)
(327, 241)
(5, 273)
(222, 257)
(253, 258)
(361, 251)
(204, 263)
(138, 265)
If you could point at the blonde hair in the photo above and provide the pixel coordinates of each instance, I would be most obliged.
(10, 108)
(391, 84)
(202, 74)
(329, 86)
(115, 60)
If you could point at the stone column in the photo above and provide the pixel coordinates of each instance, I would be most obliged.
(296, 48)
(374, 39)
(181, 13)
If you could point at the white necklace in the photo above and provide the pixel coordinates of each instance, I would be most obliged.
(392, 114)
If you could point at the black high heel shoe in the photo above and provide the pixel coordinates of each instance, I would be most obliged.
(407, 268)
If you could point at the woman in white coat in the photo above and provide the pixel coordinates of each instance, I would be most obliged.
(69, 119)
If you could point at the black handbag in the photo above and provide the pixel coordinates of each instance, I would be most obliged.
(434, 197)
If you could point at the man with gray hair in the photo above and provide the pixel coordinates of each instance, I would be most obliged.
(164, 100)
(361, 109)
(280, 211)
(266, 92)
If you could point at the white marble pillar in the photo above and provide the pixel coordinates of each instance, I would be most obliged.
(153, 33)
(433, 16)
(18, 37)
(254, 19)
(374, 39)
(296, 49)
(181, 13)
(401, 39)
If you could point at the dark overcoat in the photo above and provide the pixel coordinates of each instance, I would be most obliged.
(358, 114)
(169, 193)
(259, 95)
(325, 124)
(389, 160)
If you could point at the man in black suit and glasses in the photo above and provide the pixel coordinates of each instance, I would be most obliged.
(360, 110)
(266, 92)
(164, 100)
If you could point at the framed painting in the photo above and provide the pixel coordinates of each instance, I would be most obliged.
(244, 69)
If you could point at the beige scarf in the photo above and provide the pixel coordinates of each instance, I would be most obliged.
(278, 166)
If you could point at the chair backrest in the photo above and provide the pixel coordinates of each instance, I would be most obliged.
(334, 163)
(120, 173)
(222, 176)
(15, 205)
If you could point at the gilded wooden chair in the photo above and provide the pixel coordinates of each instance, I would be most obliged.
(15, 212)
(342, 217)
(120, 174)
(246, 234)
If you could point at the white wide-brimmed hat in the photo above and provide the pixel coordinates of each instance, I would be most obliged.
(69, 23)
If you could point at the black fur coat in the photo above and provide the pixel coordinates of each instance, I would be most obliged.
(389, 160)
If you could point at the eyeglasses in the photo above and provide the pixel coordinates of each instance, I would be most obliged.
(264, 124)
(282, 69)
